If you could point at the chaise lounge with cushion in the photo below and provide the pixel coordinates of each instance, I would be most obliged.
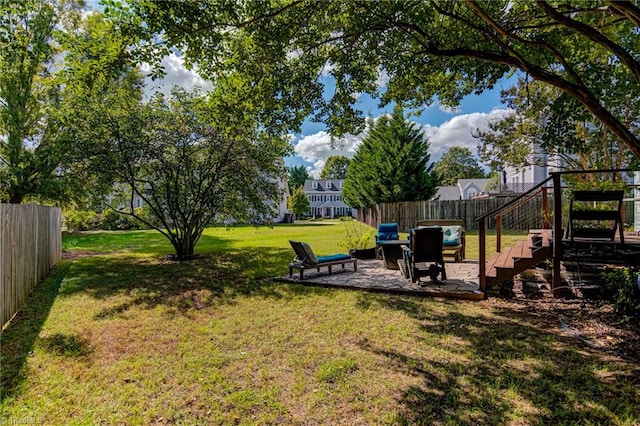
(306, 259)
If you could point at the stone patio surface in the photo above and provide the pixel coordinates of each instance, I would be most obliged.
(462, 279)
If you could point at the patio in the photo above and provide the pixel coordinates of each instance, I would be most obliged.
(462, 280)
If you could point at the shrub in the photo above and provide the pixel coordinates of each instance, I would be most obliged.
(621, 286)
(80, 220)
(112, 220)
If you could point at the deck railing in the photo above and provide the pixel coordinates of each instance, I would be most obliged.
(548, 209)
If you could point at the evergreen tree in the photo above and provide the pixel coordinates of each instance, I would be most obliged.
(390, 165)
(296, 176)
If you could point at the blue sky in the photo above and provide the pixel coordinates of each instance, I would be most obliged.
(443, 127)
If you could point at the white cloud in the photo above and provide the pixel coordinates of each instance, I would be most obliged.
(318, 147)
(383, 78)
(448, 110)
(459, 131)
(176, 75)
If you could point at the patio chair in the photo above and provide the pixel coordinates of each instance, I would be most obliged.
(425, 247)
(386, 232)
(453, 236)
(306, 259)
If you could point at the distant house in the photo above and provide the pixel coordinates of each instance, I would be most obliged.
(325, 197)
(522, 178)
(279, 206)
(466, 189)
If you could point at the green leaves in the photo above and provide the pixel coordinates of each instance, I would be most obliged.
(390, 165)
(458, 163)
(420, 50)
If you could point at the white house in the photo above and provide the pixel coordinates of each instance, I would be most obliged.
(325, 198)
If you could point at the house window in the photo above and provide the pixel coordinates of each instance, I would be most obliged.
(314, 184)
(328, 184)
(341, 184)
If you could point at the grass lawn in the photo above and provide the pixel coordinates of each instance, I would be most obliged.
(119, 335)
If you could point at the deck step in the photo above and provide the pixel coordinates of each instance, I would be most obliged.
(521, 256)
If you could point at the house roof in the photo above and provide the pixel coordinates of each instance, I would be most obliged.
(322, 185)
(447, 193)
(481, 184)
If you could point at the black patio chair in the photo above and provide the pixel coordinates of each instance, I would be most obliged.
(423, 257)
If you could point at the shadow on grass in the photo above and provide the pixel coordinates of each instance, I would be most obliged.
(512, 369)
(140, 283)
(19, 337)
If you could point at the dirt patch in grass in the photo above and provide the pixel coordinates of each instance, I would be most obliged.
(592, 323)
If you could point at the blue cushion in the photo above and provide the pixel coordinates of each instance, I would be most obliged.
(387, 236)
(333, 258)
(390, 228)
(451, 235)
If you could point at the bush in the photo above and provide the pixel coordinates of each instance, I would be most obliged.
(621, 286)
(80, 220)
(112, 220)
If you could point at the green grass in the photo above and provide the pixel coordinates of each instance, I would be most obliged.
(119, 335)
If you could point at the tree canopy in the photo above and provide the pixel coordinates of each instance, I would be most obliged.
(391, 164)
(335, 167)
(549, 128)
(418, 49)
(56, 69)
(458, 163)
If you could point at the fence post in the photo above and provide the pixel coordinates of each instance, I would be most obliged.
(498, 233)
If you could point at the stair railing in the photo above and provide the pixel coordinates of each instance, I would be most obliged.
(541, 189)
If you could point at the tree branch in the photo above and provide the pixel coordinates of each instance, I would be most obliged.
(595, 36)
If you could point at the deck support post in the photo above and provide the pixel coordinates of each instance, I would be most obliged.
(557, 232)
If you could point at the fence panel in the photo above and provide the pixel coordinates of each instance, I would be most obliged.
(30, 245)
(407, 213)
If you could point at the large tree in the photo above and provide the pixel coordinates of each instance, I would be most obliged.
(458, 163)
(189, 171)
(335, 167)
(391, 164)
(422, 48)
(55, 66)
(548, 128)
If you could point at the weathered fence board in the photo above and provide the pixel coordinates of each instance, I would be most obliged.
(525, 217)
(407, 213)
(30, 245)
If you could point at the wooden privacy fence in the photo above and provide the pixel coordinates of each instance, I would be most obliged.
(407, 213)
(30, 245)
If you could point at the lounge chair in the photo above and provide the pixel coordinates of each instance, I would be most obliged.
(453, 236)
(306, 259)
(425, 246)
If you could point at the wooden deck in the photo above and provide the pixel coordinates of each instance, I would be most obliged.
(602, 251)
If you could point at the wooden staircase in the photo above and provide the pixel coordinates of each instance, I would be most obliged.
(503, 266)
